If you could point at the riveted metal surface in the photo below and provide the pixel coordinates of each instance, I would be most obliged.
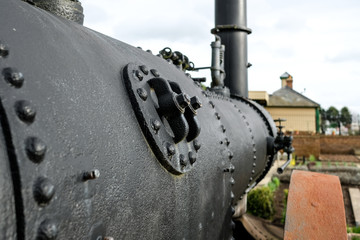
(74, 78)
(315, 207)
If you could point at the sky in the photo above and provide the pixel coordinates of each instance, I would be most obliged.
(317, 42)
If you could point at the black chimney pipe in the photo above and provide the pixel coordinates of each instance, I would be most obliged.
(230, 25)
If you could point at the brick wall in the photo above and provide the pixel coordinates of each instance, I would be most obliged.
(339, 144)
(305, 145)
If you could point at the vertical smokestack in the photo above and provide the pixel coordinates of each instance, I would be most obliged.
(231, 26)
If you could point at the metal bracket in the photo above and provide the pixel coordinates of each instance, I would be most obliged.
(166, 115)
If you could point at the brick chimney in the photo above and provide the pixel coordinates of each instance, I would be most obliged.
(286, 80)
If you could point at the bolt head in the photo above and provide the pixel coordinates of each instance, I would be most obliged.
(142, 93)
(192, 157)
(183, 100)
(170, 149)
(138, 75)
(156, 125)
(195, 103)
(196, 144)
(155, 73)
(144, 69)
(183, 161)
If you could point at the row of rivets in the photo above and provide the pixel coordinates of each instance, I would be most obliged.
(35, 148)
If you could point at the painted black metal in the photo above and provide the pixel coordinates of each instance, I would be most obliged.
(105, 107)
(231, 26)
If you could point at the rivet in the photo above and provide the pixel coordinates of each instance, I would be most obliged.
(217, 116)
(196, 144)
(254, 158)
(4, 50)
(144, 69)
(35, 149)
(170, 149)
(188, 75)
(183, 161)
(227, 142)
(155, 73)
(139, 75)
(43, 190)
(250, 179)
(169, 60)
(230, 154)
(149, 51)
(253, 171)
(159, 55)
(142, 93)
(108, 238)
(25, 111)
(232, 168)
(232, 181)
(192, 157)
(13, 77)
(223, 128)
(155, 125)
(91, 175)
(139, 48)
(232, 196)
(249, 185)
(254, 164)
(47, 230)
(212, 104)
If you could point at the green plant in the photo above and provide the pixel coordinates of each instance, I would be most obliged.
(353, 229)
(337, 164)
(274, 184)
(312, 158)
(286, 193)
(355, 238)
(329, 164)
(260, 202)
(345, 164)
(318, 164)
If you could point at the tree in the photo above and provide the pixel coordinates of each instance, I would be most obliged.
(345, 117)
(332, 114)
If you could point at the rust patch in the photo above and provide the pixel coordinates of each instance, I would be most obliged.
(315, 208)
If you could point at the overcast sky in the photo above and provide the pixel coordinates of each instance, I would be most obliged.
(316, 41)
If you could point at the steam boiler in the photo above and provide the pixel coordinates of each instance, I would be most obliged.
(101, 140)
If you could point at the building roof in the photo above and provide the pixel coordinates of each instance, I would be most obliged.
(287, 97)
(285, 75)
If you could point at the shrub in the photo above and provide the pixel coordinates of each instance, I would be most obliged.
(260, 202)
(274, 184)
(312, 158)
